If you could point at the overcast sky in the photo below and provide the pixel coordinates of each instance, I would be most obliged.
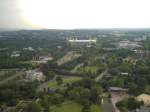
(70, 14)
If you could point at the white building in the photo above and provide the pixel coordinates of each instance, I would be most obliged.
(28, 48)
(15, 54)
(128, 44)
(124, 73)
(35, 75)
(75, 40)
(43, 59)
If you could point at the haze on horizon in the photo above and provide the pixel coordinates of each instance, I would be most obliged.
(72, 14)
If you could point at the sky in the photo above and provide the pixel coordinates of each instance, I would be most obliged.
(74, 14)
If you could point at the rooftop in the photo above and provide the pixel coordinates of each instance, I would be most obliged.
(145, 98)
(117, 89)
(81, 40)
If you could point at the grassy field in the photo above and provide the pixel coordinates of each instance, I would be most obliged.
(11, 76)
(74, 107)
(68, 57)
(95, 108)
(65, 81)
(32, 63)
(4, 74)
(92, 69)
(6, 71)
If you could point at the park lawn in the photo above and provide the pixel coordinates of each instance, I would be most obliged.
(74, 107)
(4, 74)
(5, 71)
(65, 81)
(32, 63)
(68, 107)
(95, 108)
(92, 69)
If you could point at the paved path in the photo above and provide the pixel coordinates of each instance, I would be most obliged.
(68, 57)
(45, 84)
(76, 67)
(107, 106)
(118, 97)
(100, 76)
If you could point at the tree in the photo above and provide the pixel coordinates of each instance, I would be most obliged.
(116, 81)
(8, 95)
(133, 88)
(133, 104)
(109, 95)
(45, 103)
(95, 94)
(130, 104)
(86, 107)
(3, 107)
(87, 82)
(50, 75)
(74, 94)
(56, 98)
(33, 107)
(59, 80)
(85, 93)
(104, 84)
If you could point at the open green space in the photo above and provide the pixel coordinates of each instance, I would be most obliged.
(74, 107)
(95, 108)
(91, 69)
(68, 107)
(65, 81)
(32, 63)
(6, 73)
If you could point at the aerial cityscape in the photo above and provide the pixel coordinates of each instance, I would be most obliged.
(74, 56)
(88, 70)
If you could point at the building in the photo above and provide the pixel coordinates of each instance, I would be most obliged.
(128, 44)
(118, 89)
(42, 59)
(109, 49)
(143, 38)
(145, 98)
(82, 41)
(124, 73)
(15, 54)
(75, 41)
(142, 54)
(29, 49)
(35, 75)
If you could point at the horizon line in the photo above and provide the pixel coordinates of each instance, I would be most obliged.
(107, 28)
